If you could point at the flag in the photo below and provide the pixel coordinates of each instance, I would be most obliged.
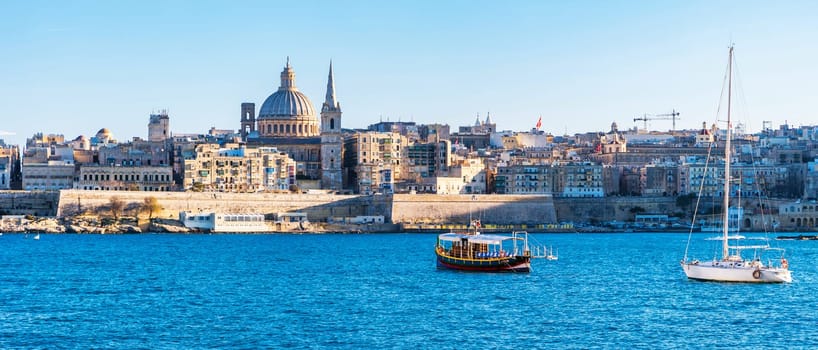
(539, 123)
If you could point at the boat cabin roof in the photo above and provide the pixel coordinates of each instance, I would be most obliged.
(485, 239)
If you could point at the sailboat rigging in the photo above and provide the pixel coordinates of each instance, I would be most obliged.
(732, 267)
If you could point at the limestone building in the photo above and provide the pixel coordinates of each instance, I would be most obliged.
(159, 127)
(613, 141)
(288, 122)
(235, 168)
(124, 178)
(8, 164)
(524, 179)
(53, 175)
(374, 161)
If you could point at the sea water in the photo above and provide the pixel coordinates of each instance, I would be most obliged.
(159, 291)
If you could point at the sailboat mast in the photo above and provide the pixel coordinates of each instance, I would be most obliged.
(726, 223)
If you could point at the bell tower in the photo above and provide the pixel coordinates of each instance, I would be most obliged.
(331, 138)
(248, 118)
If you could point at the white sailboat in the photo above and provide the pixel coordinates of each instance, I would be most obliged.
(732, 267)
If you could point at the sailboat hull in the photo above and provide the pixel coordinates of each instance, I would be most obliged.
(735, 272)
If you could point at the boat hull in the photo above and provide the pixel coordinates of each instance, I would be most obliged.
(735, 272)
(505, 264)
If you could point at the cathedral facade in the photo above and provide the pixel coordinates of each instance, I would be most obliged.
(287, 121)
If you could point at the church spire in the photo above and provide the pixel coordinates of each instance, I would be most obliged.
(330, 101)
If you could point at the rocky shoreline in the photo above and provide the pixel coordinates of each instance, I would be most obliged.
(95, 225)
(90, 225)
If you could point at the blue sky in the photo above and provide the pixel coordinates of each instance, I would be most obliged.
(75, 67)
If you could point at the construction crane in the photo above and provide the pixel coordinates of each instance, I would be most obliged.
(667, 116)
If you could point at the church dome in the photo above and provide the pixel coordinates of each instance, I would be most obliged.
(287, 112)
(287, 102)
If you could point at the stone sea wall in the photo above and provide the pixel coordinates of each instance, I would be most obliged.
(28, 203)
(458, 209)
(410, 210)
(397, 209)
(317, 206)
(612, 208)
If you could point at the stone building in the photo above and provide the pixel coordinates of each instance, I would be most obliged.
(433, 132)
(287, 121)
(582, 179)
(47, 164)
(52, 175)
(798, 215)
(480, 127)
(9, 163)
(235, 168)
(705, 137)
(102, 138)
(524, 179)
(159, 127)
(135, 153)
(661, 180)
(613, 141)
(375, 161)
(471, 175)
(42, 140)
(124, 178)
(429, 159)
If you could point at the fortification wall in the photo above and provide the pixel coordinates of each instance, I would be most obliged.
(397, 209)
(420, 208)
(317, 206)
(612, 208)
(457, 209)
(28, 203)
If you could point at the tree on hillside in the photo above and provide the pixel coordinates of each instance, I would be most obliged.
(116, 205)
(686, 201)
(295, 189)
(151, 206)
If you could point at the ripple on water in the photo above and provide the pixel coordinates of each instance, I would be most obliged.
(382, 291)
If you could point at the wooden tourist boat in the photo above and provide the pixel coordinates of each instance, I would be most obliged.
(473, 251)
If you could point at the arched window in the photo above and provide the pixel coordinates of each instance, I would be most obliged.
(332, 123)
(288, 128)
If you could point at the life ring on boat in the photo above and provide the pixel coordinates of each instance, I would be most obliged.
(784, 263)
(757, 274)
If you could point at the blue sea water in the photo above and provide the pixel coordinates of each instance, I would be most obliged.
(383, 291)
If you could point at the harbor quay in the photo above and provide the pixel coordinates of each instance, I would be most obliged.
(71, 209)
